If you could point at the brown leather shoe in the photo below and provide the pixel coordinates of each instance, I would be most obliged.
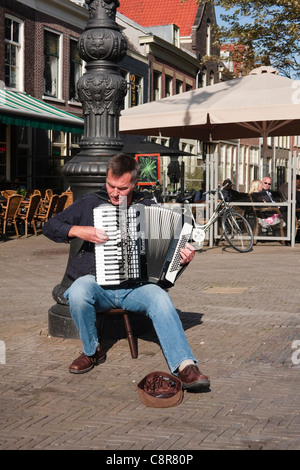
(85, 363)
(192, 378)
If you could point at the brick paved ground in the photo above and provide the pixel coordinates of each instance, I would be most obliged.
(241, 316)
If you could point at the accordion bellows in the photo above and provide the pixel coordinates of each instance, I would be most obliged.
(144, 244)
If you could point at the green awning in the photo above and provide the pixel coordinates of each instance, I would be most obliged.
(20, 109)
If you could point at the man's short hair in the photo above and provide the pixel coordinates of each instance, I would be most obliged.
(123, 163)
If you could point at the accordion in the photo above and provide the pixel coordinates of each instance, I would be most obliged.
(143, 246)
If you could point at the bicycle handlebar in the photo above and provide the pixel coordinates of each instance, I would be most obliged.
(213, 191)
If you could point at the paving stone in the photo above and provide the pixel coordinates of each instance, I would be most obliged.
(240, 313)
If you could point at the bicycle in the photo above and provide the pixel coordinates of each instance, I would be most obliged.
(236, 229)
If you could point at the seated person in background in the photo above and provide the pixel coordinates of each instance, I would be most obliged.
(258, 194)
(255, 190)
(265, 192)
(228, 192)
(200, 195)
(254, 195)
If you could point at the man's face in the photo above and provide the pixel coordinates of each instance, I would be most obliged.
(119, 188)
(266, 183)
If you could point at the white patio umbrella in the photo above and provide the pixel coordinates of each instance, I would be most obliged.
(257, 105)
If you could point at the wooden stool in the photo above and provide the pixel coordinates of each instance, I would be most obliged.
(120, 311)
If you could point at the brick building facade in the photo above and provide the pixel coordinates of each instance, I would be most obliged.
(34, 23)
(34, 156)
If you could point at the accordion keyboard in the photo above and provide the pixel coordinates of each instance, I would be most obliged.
(111, 260)
(144, 244)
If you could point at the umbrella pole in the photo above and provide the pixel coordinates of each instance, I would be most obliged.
(264, 155)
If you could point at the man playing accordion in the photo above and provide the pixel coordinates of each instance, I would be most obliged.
(85, 296)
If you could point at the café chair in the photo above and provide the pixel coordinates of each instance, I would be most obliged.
(8, 192)
(43, 215)
(61, 202)
(28, 216)
(11, 212)
(46, 199)
(258, 213)
(48, 194)
(69, 199)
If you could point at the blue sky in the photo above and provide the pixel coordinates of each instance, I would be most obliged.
(219, 11)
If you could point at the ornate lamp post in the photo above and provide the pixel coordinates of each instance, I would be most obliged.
(101, 90)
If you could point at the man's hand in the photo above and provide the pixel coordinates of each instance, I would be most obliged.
(187, 254)
(90, 234)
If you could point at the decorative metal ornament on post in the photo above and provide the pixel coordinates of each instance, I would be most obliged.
(101, 90)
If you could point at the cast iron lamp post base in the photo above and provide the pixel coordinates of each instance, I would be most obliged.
(101, 90)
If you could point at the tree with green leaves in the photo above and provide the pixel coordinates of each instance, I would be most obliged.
(264, 32)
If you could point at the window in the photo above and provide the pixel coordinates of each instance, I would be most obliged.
(168, 85)
(136, 90)
(23, 157)
(229, 162)
(59, 145)
(134, 95)
(226, 58)
(208, 37)
(75, 70)
(156, 85)
(63, 145)
(51, 67)
(179, 85)
(2, 152)
(204, 78)
(13, 55)
(74, 144)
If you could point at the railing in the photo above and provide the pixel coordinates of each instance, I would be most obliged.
(202, 212)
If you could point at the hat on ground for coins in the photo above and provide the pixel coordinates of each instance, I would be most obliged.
(160, 390)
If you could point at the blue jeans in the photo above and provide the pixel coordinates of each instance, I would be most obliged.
(85, 298)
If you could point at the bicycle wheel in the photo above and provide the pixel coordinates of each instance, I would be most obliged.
(237, 231)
